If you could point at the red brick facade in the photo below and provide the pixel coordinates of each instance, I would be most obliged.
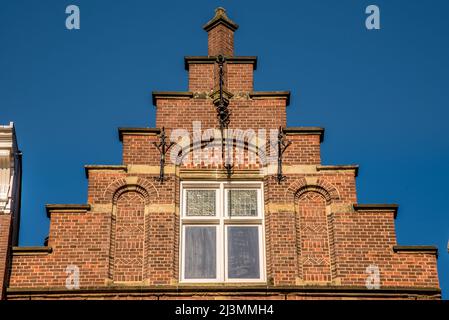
(319, 243)
(5, 243)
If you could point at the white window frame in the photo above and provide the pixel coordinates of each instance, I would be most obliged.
(218, 251)
(222, 221)
(261, 254)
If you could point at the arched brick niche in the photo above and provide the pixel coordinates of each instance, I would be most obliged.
(313, 237)
(314, 231)
(128, 254)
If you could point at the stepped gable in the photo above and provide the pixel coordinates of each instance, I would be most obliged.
(301, 234)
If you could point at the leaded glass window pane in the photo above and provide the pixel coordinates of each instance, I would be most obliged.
(243, 253)
(200, 202)
(200, 253)
(242, 202)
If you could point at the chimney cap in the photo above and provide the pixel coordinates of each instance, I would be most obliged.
(220, 18)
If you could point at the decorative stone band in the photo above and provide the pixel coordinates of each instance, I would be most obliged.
(272, 207)
(188, 60)
(146, 169)
(229, 290)
(352, 167)
(215, 173)
(275, 207)
(66, 208)
(31, 251)
(377, 208)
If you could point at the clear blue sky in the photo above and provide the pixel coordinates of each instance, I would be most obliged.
(383, 96)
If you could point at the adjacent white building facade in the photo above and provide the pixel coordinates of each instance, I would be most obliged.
(10, 176)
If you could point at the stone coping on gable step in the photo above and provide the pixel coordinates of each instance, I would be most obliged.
(69, 208)
(140, 131)
(188, 95)
(28, 251)
(271, 94)
(188, 60)
(90, 167)
(171, 95)
(377, 207)
(305, 131)
(417, 249)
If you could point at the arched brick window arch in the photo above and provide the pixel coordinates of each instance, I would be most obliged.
(249, 151)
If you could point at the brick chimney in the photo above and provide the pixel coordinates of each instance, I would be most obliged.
(220, 34)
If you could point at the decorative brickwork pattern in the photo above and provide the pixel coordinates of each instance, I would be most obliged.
(127, 242)
(314, 241)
